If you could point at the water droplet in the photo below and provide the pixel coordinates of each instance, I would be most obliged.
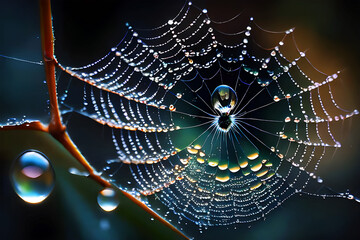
(204, 10)
(108, 199)
(276, 98)
(76, 171)
(32, 176)
(224, 99)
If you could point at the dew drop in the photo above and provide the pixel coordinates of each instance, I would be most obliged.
(223, 99)
(350, 196)
(77, 172)
(276, 98)
(32, 176)
(108, 199)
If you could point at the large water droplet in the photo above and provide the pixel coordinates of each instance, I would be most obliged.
(108, 199)
(32, 176)
(224, 99)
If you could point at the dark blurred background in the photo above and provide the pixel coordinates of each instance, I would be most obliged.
(86, 30)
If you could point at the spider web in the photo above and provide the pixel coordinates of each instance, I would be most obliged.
(152, 92)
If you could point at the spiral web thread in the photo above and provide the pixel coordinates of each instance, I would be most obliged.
(153, 91)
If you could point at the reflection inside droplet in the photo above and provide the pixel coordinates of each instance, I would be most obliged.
(108, 199)
(32, 176)
(32, 171)
(223, 99)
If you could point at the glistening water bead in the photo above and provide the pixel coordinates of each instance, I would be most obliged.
(224, 99)
(108, 199)
(32, 176)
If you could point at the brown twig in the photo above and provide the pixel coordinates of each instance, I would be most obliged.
(55, 127)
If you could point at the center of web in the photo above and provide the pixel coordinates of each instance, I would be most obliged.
(224, 99)
(225, 122)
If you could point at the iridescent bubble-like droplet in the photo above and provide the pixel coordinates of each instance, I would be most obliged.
(108, 199)
(224, 99)
(32, 176)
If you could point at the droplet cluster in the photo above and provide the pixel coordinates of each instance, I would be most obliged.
(221, 133)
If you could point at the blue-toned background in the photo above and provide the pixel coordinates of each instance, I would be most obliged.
(86, 30)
